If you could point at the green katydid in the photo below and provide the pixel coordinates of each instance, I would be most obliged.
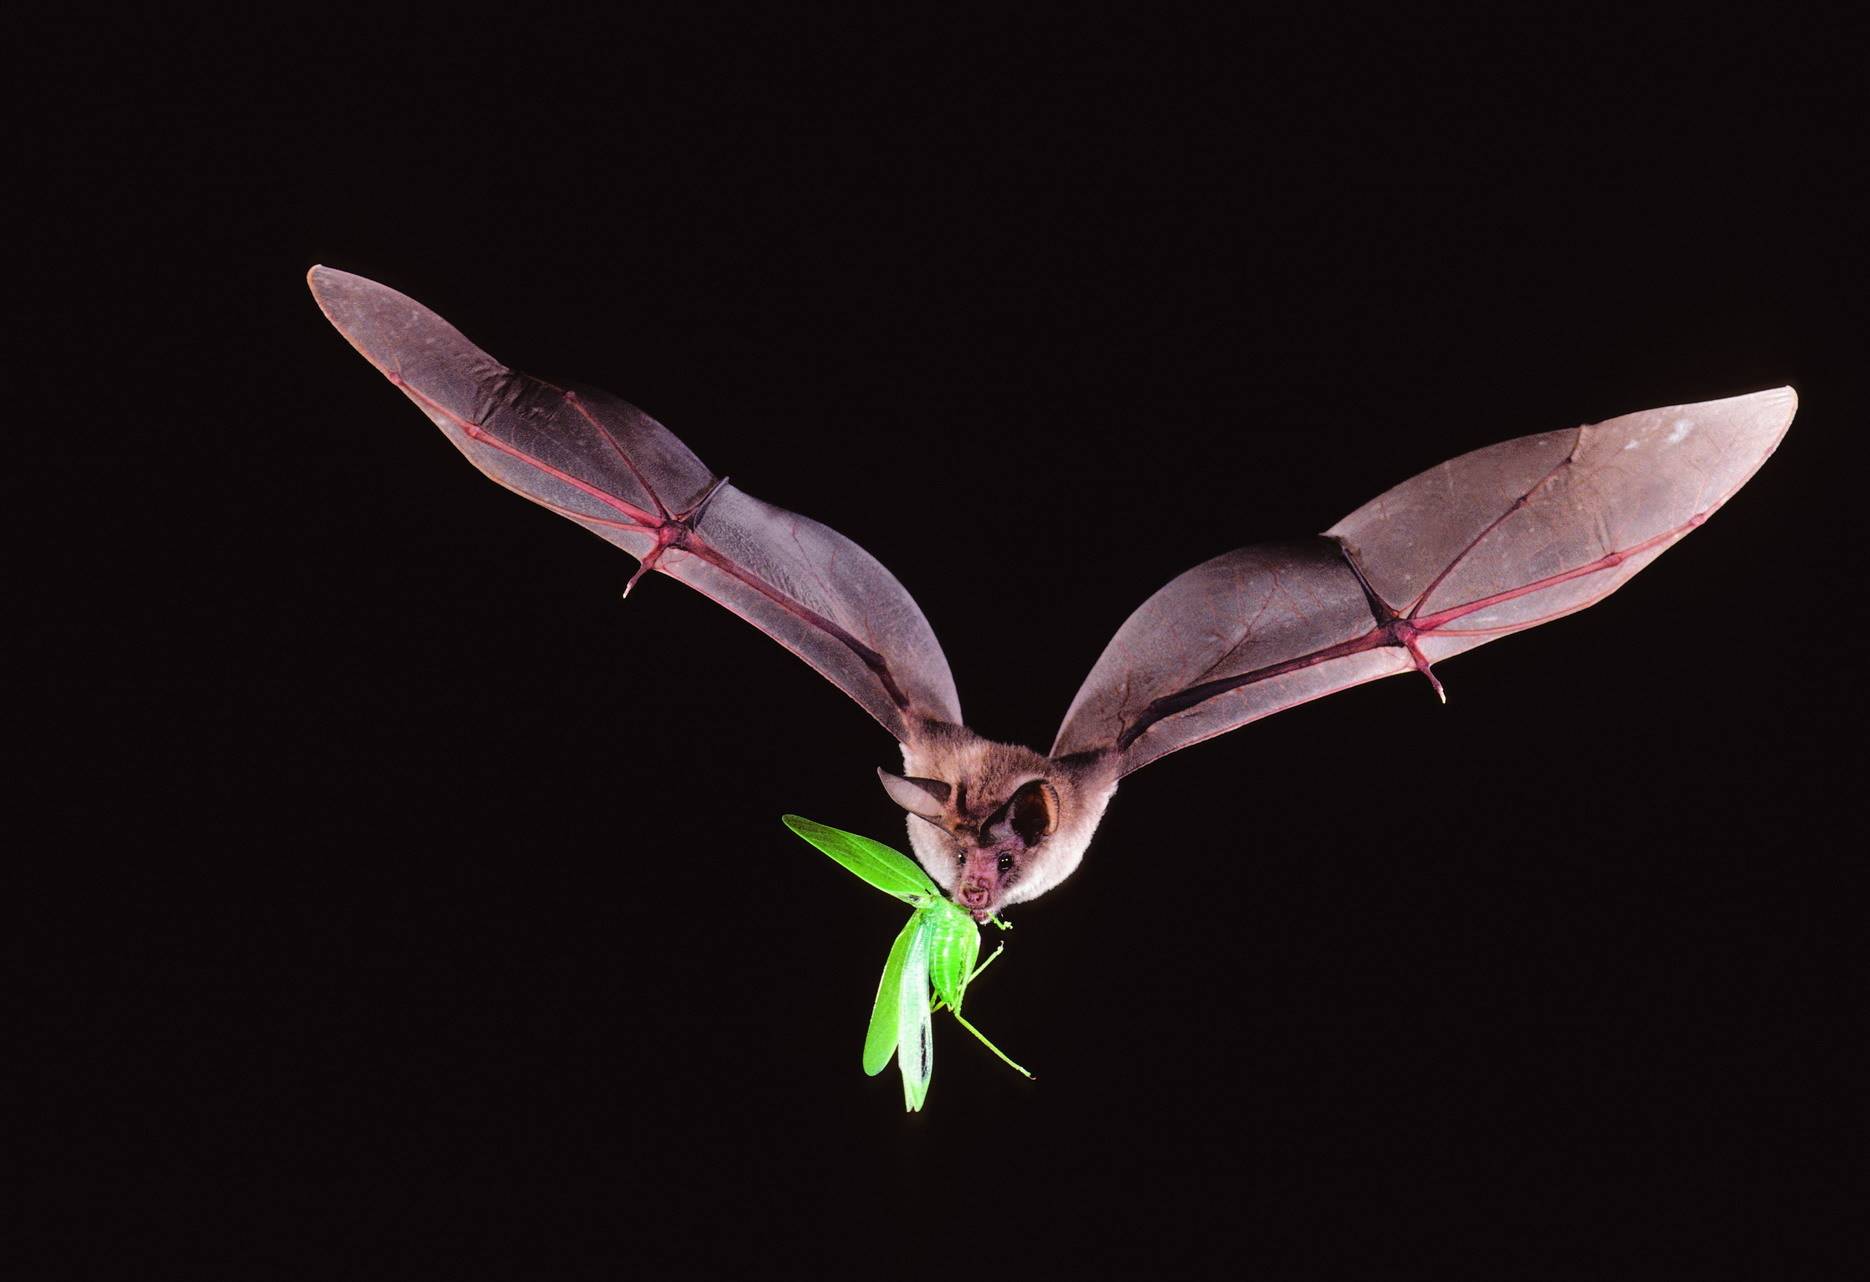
(938, 946)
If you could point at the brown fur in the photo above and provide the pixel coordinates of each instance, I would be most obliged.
(962, 848)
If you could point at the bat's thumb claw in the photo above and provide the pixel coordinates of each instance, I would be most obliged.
(1422, 666)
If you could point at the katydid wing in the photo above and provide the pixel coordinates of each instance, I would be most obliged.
(880, 1037)
(915, 1039)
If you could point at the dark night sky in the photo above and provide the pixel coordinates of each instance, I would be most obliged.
(406, 894)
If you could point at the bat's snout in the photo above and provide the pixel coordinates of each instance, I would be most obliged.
(977, 897)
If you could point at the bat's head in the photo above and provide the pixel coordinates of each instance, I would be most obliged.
(995, 824)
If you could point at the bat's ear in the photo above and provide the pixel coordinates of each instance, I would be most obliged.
(925, 797)
(1033, 812)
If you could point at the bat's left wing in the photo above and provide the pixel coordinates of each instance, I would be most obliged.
(614, 470)
(1496, 541)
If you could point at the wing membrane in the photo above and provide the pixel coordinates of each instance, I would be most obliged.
(614, 470)
(1488, 544)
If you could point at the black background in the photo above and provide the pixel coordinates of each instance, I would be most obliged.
(417, 901)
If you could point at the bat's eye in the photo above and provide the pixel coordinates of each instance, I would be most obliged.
(1006, 864)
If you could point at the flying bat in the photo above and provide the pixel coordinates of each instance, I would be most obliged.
(1485, 545)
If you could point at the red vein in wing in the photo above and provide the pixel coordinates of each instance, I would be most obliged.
(585, 518)
(1182, 700)
(799, 610)
(644, 520)
(573, 400)
(1398, 633)
(478, 433)
(1132, 763)
(1495, 524)
(1500, 630)
(1609, 561)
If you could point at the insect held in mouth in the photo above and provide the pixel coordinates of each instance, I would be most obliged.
(937, 947)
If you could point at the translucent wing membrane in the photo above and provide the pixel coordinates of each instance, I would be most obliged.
(614, 470)
(1493, 542)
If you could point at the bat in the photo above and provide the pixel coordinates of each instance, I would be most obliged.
(1499, 540)
(937, 946)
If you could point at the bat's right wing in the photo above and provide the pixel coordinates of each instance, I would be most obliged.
(1496, 541)
(626, 478)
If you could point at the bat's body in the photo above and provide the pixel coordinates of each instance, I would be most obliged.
(1011, 825)
(1499, 540)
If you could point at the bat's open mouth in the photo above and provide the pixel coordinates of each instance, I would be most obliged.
(977, 898)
